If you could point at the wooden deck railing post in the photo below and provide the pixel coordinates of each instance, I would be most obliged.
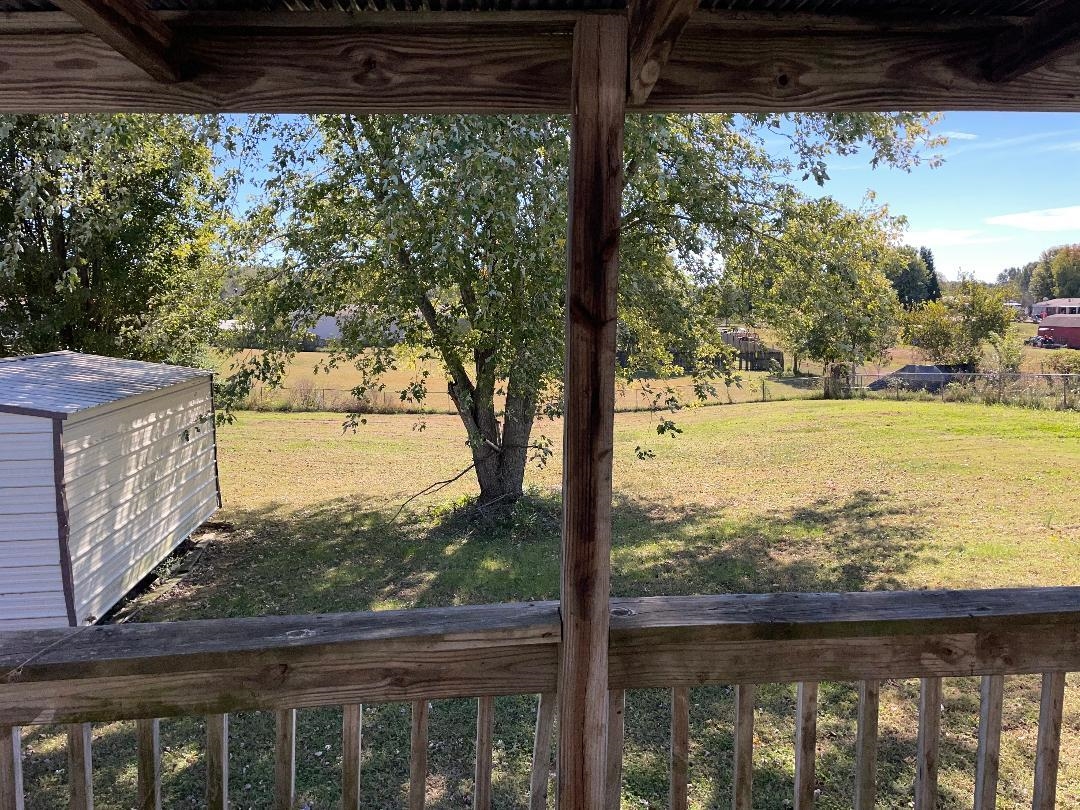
(987, 759)
(866, 740)
(598, 100)
(806, 744)
(352, 731)
(284, 759)
(616, 738)
(148, 736)
(541, 761)
(1048, 752)
(217, 762)
(929, 738)
(743, 768)
(80, 767)
(418, 743)
(11, 783)
(680, 747)
(485, 732)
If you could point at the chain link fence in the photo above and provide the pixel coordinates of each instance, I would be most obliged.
(1055, 391)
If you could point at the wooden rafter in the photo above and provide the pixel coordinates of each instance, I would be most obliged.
(130, 29)
(1051, 32)
(654, 26)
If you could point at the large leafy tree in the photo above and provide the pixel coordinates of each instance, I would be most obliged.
(955, 329)
(447, 235)
(107, 236)
(913, 278)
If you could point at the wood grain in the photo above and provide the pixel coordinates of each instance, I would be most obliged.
(418, 745)
(598, 94)
(1048, 751)
(11, 781)
(928, 744)
(148, 759)
(616, 741)
(866, 746)
(987, 759)
(80, 767)
(352, 730)
(680, 747)
(805, 744)
(743, 768)
(130, 29)
(217, 762)
(284, 759)
(485, 732)
(540, 773)
(1053, 31)
(654, 26)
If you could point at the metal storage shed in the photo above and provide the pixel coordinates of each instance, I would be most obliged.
(106, 466)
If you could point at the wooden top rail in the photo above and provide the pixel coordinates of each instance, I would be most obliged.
(223, 665)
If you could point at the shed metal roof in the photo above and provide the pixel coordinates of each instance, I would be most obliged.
(59, 384)
(1061, 320)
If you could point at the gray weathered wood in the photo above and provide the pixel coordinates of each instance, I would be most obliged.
(352, 731)
(598, 97)
(11, 781)
(680, 747)
(986, 763)
(127, 27)
(418, 744)
(540, 773)
(866, 744)
(743, 768)
(654, 27)
(805, 744)
(284, 759)
(485, 730)
(1049, 745)
(929, 740)
(616, 740)
(80, 767)
(148, 740)
(217, 762)
(1054, 30)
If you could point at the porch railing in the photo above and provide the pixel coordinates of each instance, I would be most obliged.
(144, 672)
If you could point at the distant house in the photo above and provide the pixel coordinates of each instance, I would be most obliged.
(1056, 306)
(1062, 328)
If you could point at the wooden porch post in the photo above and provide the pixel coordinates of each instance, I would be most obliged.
(598, 94)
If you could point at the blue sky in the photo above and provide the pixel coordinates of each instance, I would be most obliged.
(1009, 187)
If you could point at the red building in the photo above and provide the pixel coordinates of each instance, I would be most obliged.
(1061, 329)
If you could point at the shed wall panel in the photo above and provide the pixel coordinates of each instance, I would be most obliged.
(140, 478)
(31, 578)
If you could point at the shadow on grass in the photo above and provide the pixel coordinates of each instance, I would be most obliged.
(341, 556)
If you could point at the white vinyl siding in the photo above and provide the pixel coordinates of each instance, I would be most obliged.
(31, 579)
(140, 478)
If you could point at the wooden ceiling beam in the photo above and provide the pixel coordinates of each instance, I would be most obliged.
(655, 25)
(472, 63)
(1039, 40)
(128, 27)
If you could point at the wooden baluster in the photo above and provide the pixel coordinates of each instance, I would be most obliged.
(926, 771)
(284, 759)
(743, 771)
(866, 739)
(11, 782)
(986, 765)
(80, 767)
(541, 763)
(485, 731)
(217, 762)
(680, 746)
(352, 731)
(1049, 746)
(806, 745)
(616, 737)
(148, 739)
(418, 756)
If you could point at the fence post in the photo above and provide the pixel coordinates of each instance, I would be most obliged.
(763, 397)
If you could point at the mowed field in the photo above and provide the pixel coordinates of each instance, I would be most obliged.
(808, 496)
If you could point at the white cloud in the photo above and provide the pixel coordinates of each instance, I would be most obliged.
(1048, 219)
(960, 136)
(951, 237)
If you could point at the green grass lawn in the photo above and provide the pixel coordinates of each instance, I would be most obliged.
(809, 495)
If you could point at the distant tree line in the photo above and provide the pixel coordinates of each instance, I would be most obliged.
(1056, 274)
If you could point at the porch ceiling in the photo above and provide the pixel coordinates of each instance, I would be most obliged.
(514, 55)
